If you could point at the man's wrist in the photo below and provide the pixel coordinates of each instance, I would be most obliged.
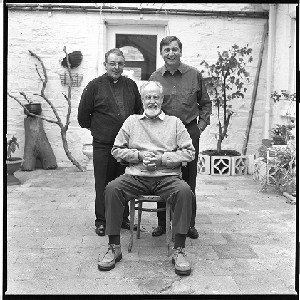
(202, 125)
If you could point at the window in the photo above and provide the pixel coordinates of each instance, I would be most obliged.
(140, 54)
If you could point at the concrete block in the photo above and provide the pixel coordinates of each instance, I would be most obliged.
(220, 165)
(203, 166)
(239, 165)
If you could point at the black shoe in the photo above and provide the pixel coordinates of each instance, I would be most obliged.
(192, 233)
(159, 230)
(126, 225)
(100, 229)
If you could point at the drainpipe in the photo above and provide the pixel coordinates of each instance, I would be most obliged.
(272, 16)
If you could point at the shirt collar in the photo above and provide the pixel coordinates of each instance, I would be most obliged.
(182, 68)
(110, 79)
(161, 116)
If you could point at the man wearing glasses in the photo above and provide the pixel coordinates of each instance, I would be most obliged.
(105, 104)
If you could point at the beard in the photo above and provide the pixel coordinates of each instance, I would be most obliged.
(152, 111)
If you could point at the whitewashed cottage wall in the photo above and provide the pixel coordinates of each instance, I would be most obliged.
(47, 33)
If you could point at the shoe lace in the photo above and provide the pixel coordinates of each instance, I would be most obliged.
(110, 247)
(180, 250)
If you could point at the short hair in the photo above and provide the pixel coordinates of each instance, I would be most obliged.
(168, 40)
(116, 51)
(158, 84)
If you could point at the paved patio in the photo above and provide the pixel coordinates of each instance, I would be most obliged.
(247, 241)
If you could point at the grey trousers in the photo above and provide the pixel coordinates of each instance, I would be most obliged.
(126, 187)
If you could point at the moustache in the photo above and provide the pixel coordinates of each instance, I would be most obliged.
(152, 105)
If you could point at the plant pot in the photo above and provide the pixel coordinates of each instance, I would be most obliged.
(34, 108)
(13, 165)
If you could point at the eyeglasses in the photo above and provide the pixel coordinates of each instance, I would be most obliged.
(115, 64)
(149, 97)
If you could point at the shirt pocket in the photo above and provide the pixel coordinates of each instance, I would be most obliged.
(189, 96)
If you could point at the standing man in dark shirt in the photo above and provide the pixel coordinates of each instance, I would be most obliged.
(105, 104)
(185, 97)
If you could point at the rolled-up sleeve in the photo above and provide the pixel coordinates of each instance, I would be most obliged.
(120, 150)
(185, 151)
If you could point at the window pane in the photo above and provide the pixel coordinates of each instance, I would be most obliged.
(132, 53)
(140, 54)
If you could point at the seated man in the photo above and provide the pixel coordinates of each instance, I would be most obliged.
(155, 145)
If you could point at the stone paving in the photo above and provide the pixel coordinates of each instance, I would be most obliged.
(247, 241)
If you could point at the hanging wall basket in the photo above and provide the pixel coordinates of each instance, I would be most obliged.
(76, 79)
(75, 59)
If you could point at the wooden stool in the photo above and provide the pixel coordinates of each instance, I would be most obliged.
(133, 208)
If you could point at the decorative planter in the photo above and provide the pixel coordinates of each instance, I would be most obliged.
(34, 108)
(231, 163)
(13, 165)
(239, 165)
(220, 165)
(265, 171)
(203, 166)
(87, 150)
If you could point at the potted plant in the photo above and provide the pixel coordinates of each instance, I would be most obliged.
(281, 134)
(276, 161)
(32, 107)
(225, 81)
(277, 167)
(286, 103)
(12, 163)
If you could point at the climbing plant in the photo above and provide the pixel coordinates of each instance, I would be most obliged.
(226, 81)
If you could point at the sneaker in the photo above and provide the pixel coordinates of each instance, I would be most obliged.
(192, 233)
(182, 266)
(111, 257)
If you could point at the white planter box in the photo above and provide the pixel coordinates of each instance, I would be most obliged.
(223, 165)
(220, 165)
(239, 165)
(203, 165)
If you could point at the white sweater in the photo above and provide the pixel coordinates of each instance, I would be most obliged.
(164, 135)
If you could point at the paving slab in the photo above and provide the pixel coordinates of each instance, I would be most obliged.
(246, 245)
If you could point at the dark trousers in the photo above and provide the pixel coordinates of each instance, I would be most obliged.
(121, 190)
(189, 175)
(106, 169)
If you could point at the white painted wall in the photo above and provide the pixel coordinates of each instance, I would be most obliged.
(46, 34)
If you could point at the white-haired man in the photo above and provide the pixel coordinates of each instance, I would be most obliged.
(155, 156)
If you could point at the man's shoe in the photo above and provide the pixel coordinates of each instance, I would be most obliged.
(192, 233)
(159, 230)
(126, 225)
(182, 266)
(111, 257)
(100, 230)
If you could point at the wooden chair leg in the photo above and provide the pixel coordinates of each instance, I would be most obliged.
(132, 210)
(168, 209)
(138, 233)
